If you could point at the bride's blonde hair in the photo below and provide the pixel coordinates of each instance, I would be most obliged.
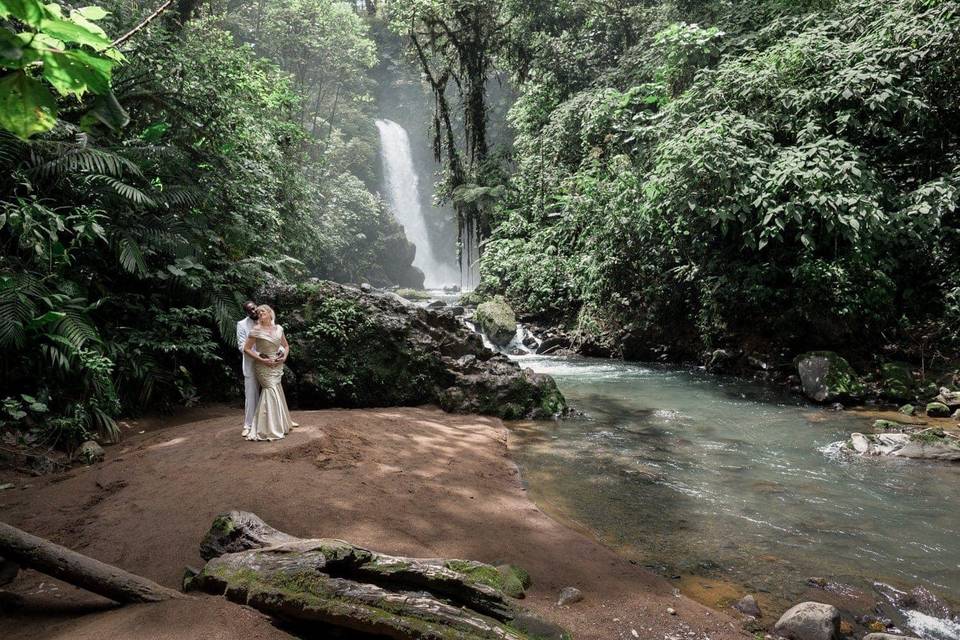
(264, 307)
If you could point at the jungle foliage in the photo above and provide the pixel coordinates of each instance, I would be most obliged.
(700, 174)
(147, 188)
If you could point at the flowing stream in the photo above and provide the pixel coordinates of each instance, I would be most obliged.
(403, 195)
(714, 482)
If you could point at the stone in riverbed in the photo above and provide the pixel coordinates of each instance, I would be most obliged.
(887, 636)
(748, 606)
(809, 621)
(938, 410)
(827, 377)
(496, 320)
(569, 595)
(860, 443)
(907, 409)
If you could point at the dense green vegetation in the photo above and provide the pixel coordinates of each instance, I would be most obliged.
(217, 146)
(682, 174)
(703, 174)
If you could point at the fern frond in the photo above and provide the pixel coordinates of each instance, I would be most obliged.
(131, 257)
(126, 191)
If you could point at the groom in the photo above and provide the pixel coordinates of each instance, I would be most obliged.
(251, 387)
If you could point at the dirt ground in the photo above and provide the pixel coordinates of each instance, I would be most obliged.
(408, 481)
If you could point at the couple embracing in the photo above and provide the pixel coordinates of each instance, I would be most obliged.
(265, 349)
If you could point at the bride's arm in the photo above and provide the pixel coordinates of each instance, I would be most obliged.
(286, 346)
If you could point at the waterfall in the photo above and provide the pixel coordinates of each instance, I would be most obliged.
(403, 196)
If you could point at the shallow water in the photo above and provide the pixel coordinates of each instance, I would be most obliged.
(695, 474)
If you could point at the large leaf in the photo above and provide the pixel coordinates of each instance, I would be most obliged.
(92, 13)
(26, 107)
(76, 72)
(72, 32)
(28, 11)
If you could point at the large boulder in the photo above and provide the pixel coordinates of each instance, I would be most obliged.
(496, 320)
(351, 348)
(809, 621)
(938, 410)
(827, 377)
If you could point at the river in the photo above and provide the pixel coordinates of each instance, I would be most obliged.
(716, 482)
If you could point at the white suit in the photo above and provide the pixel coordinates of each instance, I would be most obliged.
(251, 388)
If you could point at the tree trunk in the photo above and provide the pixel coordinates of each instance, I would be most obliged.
(36, 553)
(336, 583)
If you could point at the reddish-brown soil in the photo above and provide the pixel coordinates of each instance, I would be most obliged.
(403, 481)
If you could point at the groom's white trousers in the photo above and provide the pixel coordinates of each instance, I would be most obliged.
(251, 390)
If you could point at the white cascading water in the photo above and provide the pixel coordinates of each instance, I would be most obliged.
(403, 196)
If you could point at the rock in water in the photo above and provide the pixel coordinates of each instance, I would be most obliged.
(569, 595)
(748, 605)
(827, 377)
(497, 321)
(809, 621)
(938, 410)
(357, 349)
(860, 443)
(887, 636)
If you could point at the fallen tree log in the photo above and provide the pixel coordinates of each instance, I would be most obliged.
(29, 551)
(334, 582)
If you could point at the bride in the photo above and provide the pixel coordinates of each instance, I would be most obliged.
(272, 418)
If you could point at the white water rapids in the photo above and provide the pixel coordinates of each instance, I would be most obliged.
(403, 196)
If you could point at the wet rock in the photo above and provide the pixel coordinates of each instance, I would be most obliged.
(671, 611)
(723, 360)
(907, 409)
(938, 410)
(529, 341)
(923, 600)
(827, 377)
(436, 304)
(365, 287)
(887, 636)
(887, 425)
(748, 606)
(860, 443)
(90, 452)
(496, 320)
(819, 583)
(569, 595)
(552, 344)
(809, 621)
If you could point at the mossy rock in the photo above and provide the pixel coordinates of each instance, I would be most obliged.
(907, 409)
(896, 381)
(886, 425)
(413, 294)
(938, 410)
(827, 377)
(497, 321)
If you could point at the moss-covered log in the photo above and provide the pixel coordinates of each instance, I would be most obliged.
(337, 583)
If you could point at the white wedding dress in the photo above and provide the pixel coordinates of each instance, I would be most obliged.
(271, 421)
